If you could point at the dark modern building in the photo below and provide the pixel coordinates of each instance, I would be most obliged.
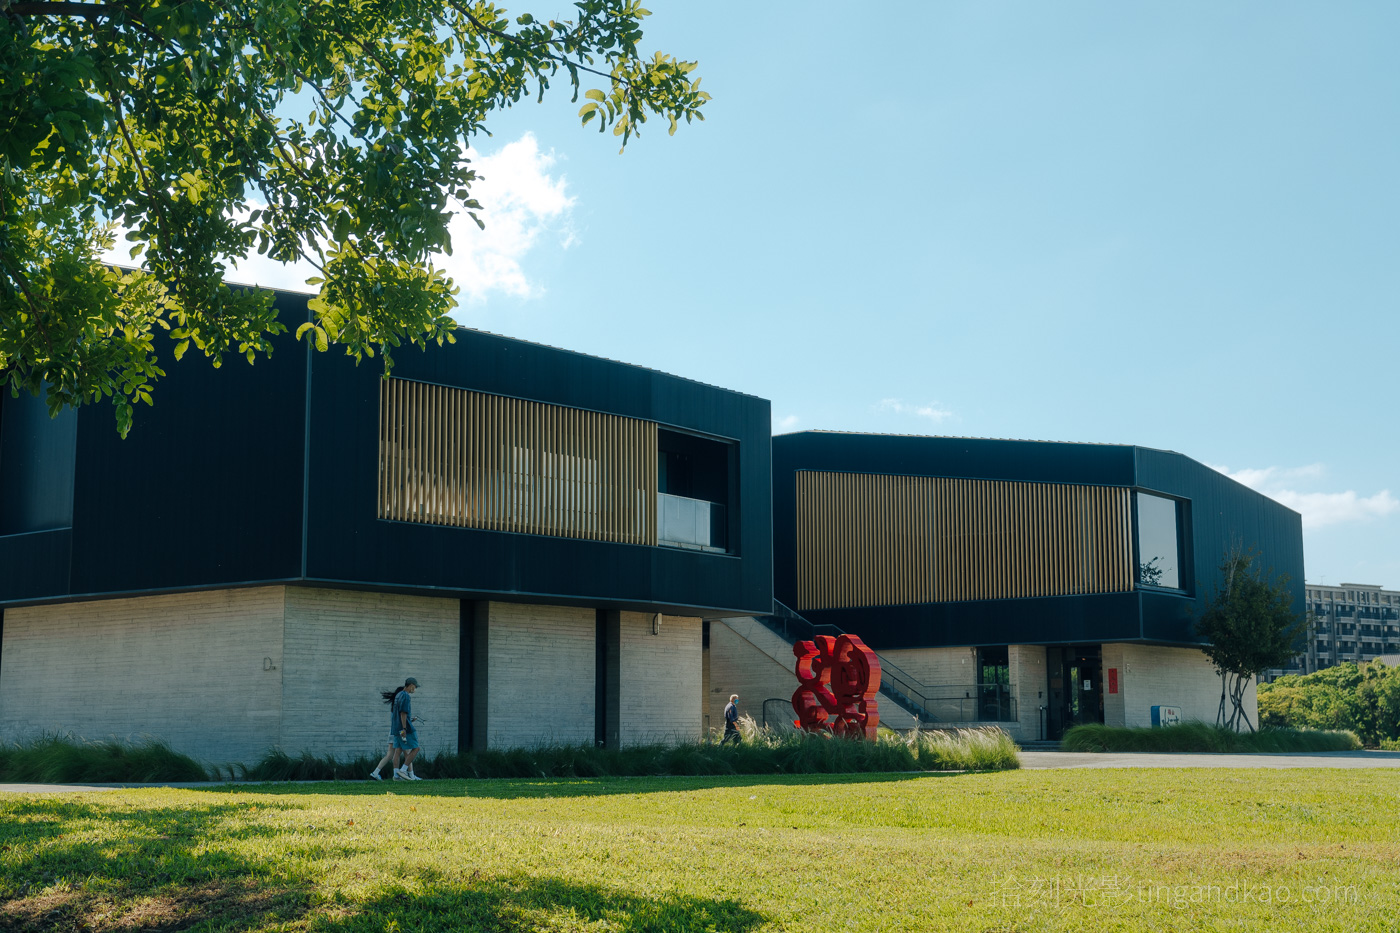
(535, 534)
(1030, 583)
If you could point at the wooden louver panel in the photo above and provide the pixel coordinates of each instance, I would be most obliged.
(863, 540)
(1003, 540)
(455, 457)
(872, 540)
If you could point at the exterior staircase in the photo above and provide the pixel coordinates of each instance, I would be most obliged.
(789, 628)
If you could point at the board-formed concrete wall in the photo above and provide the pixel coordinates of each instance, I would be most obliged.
(226, 675)
(1153, 675)
(659, 679)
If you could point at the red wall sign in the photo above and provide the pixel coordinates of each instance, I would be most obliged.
(1113, 680)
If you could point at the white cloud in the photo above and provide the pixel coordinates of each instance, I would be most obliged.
(521, 203)
(932, 411)
(786, 423)
(1318, 509)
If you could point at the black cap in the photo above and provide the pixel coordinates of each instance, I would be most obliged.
(412, 681)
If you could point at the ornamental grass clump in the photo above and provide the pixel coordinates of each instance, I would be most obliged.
(988, 749)
(65, 759)
(1205, 737)
(762, 751)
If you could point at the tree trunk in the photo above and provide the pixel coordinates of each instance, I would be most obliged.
(1220, 713)
(1238, 685)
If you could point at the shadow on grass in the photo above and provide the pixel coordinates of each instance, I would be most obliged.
(163, 868)
(516, 788)
(525, 903)
(154, 868)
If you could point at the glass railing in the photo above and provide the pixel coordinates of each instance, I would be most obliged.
(695, 523)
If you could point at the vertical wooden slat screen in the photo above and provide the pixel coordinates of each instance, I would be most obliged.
(454, 457)
(878, 540)
(863, 540)
(1003, 540)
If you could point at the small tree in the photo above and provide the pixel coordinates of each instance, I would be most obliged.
(1251, 627)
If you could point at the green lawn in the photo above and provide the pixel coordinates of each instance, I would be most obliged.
(1096, 850)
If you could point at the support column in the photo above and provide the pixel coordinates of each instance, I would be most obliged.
(480, 682)
(1030, 686)
(608, 698)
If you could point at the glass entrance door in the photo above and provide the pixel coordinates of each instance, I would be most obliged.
(1076, 691)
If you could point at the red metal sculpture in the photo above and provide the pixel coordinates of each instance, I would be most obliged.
(840, 677)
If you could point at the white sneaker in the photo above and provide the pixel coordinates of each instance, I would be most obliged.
(400, 775)
(376, 776)
(413, 777)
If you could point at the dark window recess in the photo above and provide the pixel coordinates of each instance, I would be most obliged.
(994, 684)
(1159, 541)
(37, 459)
(694, 484)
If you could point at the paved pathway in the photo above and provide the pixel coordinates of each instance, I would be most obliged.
(83, 788)
(1029, 760)
(1206, 760)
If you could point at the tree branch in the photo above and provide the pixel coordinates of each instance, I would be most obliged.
(90, 11)
(545, 53)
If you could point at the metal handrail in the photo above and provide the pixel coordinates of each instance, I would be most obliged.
(924, 703)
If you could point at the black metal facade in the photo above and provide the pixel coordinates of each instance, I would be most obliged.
(268, 473)
(1222, 514)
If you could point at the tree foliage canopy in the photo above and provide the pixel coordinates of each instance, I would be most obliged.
(1251, 627)
(1364, 698)
(333, 131)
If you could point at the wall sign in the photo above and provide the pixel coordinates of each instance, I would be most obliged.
(1166, 715)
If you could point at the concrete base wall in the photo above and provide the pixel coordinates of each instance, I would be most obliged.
(949, 673)
(201, 671)
(541, 672)
(737, 665)
(1028, 686)
(936, 666)
(1150, 675)
(343, 647)
(659, 680)
(226, 675)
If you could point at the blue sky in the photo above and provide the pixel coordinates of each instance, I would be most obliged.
(1173, 225)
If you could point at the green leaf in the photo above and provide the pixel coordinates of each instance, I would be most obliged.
(209, 120)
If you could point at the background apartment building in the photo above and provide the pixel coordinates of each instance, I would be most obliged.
(1351, 622)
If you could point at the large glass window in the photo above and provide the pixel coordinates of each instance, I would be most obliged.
(693, 491)
(1158, 541)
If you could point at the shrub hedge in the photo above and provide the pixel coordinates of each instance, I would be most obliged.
(1205, 737)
